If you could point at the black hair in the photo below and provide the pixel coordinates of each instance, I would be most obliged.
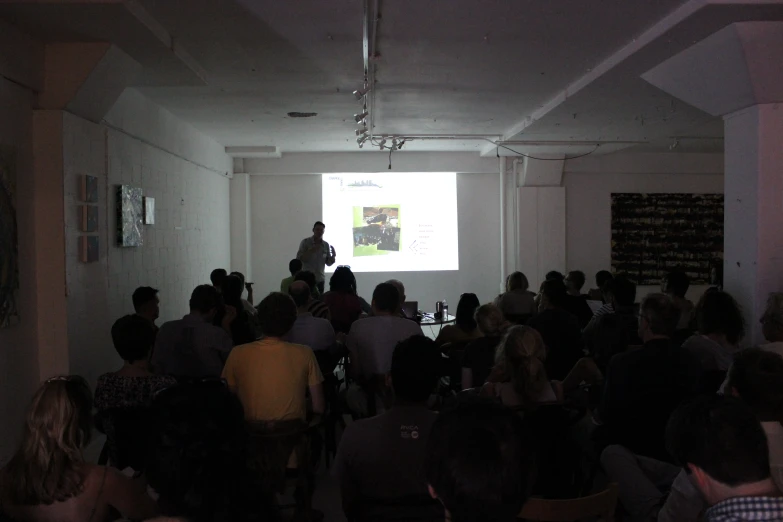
(555, 292)
(623, 290)
(466, 311)
(578, 278)
(554, 275)
(343, 281)
(718, 312)
(660, 313)
(414, 368)
(479, 462)
(757, 377)
(231, 288)
(601, 277)
(319, 223)
(294, 266)
(240, 275)
(308, 277)
(300, 297)
(143, 295)
(386, 297)
(722, 436)
(133, 337)
(205, 298)
(677, 283)
(276, 314)
(217, 276)
(198, 460)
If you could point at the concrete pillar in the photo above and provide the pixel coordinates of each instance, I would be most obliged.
(737, 73)
(241, 225)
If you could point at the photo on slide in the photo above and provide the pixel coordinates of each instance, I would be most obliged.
(376, 230)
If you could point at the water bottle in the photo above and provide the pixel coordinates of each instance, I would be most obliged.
(445, 309)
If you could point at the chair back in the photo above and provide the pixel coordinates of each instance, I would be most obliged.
(452, 367)
(127, 432)
(271, 446)
(599, 505)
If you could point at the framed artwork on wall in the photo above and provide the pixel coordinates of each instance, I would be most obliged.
(88, 218)
(88, 249)
(130, 216)
(149, 211)
(89, 189)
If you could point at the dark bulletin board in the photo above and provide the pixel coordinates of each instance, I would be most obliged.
(655, 233)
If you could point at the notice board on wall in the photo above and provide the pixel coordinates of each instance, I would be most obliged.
(653, 234)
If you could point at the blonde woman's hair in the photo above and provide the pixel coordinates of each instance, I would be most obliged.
(48, 466)
(490, 320)
(522, 354)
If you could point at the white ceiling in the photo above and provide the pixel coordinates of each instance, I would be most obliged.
(558, 72)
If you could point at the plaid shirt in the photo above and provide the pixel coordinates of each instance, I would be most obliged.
(741, 509)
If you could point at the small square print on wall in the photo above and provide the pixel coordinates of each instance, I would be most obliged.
(88, 249)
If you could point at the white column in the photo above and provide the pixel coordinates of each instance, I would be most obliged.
(754, 209)
(240, 225)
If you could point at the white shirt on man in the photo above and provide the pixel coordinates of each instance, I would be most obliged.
(315, 332)
(316, 261)
(372, 340)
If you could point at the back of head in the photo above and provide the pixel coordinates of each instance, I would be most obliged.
(772, 319)
(576, 279)
(197, 462)
(343, 281)
(400, 288)
(300, 293)
(660, 313)
(490, 320)
(306, 276)
(414, 368)
(602, 277)
(479, 462)
(276, 314)
(757, 378)
(133, 338)
(142, 296)
(217, 276)
(386, 298)
(241, 277)
(294, 266)
(718, 313)
(517, 281)
(204, 299)
(554, 275)
(554, 291)
(722, 436)
(522, 353)
(48, 467)
(677, 283)
(232, 289)
(622, 289)
(466, 309)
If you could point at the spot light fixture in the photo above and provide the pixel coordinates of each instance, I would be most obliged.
(361, 131)
(361, 92)
(359, 117)
(360, 140)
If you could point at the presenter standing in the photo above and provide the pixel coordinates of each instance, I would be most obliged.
(315, 253)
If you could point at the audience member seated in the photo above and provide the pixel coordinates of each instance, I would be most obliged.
(756, 378)
(48, 479)
(479, 357)
(522, 381)
(294, 266)
(601, 278)
(401, 291)
(675, 284)
(313, 332)
(216, 278)
(317, 307)
(575, 281)
(246, 303)
(479, 463)
(772, 324)
(464, 328)
(380, 461)
(517, 303)
(559, 328)
(344, 305)
(128, 390)
(371, 343)
(271, 377)
(198, 463)
(146, 304)
(643, 386)
(613, 332)
(720, 328)
(242, 329)
(722, 447)
(192, 347)
(576, 302)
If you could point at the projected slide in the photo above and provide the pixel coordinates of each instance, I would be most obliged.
(392, 222)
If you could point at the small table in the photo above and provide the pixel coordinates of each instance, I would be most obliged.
(430, 320)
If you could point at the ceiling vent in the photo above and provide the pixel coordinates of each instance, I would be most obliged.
(302, 114)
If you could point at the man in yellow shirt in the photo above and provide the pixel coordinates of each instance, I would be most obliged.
(270, 376)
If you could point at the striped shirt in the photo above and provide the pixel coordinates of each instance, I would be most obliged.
(740, 509)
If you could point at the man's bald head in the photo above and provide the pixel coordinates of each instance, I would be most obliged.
(300, 293)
